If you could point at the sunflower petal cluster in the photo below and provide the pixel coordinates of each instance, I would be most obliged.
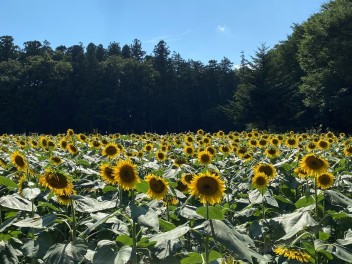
(290, 253)
(126, 175)
(56, 181)
(158, 187)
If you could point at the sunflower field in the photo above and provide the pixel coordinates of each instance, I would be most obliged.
(238, 197)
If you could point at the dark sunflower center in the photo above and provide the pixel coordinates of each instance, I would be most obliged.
(260, 181)
(349, 149)
(64, 144)
(225, 149)
(291, 141)
(324, 180)
(262, 142)
(157, 186)
(207, 186)
(160, 155)
(127, 173)
(148, 148)
(19, 161)
(73, 148)
(314, 163)
(56, 159)
(205, 158)
(211, 150)
(189, 150)
(189, 178)
(111, 150)
(267, 170)
(311, 146)
(57, 180)
(272, 151)
(108, 172)
(181, 187)
(323, 144)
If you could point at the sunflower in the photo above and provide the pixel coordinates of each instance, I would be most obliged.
(182, 187)
(348, 150)
(268, 169)
(82, 137)
(291, 142)
(323, 144)
(63, 143)
(59, 183)
(179, 161)
(157, 186)
(220, 134)
(160, 156)
(274, 141)
(110, 150)
(21, 143)
(148, 147)
(70, 132)
(200, 132)
(272, 152)
(43, 141)
(95, 143)
(206, 141)
(208, 187)
(211, 150)
(325, 180)
(311, 146)
(63, 199)
(291, 253)
(72, 149)
(56, 160)
(204, 157)
(225, 149)
(313, 164)
(262, 143)
(247, 157)
(188, 150)
(34, 143)
(125, 174)
(300, 172)
(189, 139)
(187, 178)
(260, 180)
(106, 172)
(19, 161)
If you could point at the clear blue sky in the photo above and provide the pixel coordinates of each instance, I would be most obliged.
(197, 29)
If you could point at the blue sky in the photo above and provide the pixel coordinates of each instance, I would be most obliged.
(197, 29)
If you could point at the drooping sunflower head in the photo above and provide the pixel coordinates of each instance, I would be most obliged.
(125, 174)
(313, 164)
(325, 180)
(19, 161)
(58, 182)
(208, 187)
(179, 161)
(160, 155)
(56, 160)
(292, 253)
(300, 172)
(110, 150)
(187, 178)
(106, 172)
(266, 168)
(63, 199)
(260, 180)
(157, 186)
(204, 157)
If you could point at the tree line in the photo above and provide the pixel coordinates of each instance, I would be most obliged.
(301, 83)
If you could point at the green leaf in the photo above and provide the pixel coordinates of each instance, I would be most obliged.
(37, 222)
(144, 243)
(10, 184)
(282, 199)
(232, 239)
(90, 205)
(170, 235)
(82, 162)
(305, 201)
(165, 225)
(49, 205)
(323, 236)
(214, 212)
(72, 252)
(214, 255)
(109, 188)
(191, 258)
(145, 216)
(123, 255)
(142, 187)
(14, 201)
(125, 240)
(7, 253)
(106, 253)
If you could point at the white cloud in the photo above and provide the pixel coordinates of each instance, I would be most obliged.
(221, 28)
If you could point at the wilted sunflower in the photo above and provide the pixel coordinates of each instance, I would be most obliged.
(187, 178)
(266, 168)
(325, 180)
(106, 172)
(56, 160)
(348, 150)
(260, 180)
(291, 253)
(160, 156)
(111, 150)
(72, 149)
(208, 187)
(19, 161)
(188, 150)
(64, 199)
(125, 174)
(157, 186)
(58, 182)
(313, 164)
(204, 157)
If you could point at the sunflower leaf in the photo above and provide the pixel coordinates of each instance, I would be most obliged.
(214, 212)
(142, 187)
(72, 252)
(10, 184)
(90, 205)
(7, 253)
(145, 216)
(15, 201)
(338, 198)
(37, 222)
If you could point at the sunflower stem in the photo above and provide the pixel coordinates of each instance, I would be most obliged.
(316, 197)
(120, 196)
(73, 220)
(264, 220)
(207, 235)
(134, 238)
(167, 210)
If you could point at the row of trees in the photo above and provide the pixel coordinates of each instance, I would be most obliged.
(304, 81)
(113, 89)
(301, 83)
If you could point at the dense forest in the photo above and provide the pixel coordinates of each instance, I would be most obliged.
(301, 83)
